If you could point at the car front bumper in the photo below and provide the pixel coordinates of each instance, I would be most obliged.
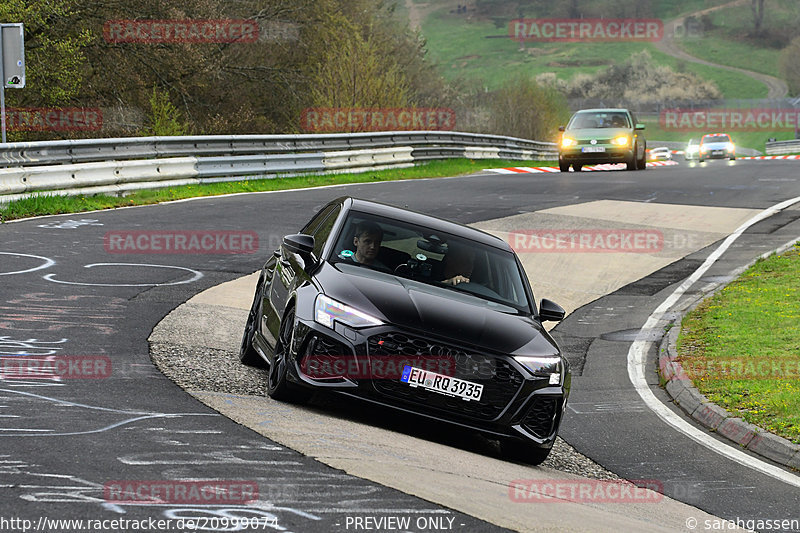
(609, 154)
(514, 403)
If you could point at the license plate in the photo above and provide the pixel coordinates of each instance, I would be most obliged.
(447, 385)
(593, 149)
(716, 152)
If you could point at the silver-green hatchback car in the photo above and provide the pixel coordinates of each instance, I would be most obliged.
(594, 136)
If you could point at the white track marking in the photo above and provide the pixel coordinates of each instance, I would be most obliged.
(637, 362)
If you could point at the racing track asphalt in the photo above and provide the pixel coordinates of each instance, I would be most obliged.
(64, 440)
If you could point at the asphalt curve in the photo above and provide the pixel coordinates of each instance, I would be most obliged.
(65, 442)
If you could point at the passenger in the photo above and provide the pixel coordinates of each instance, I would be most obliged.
(457, 265)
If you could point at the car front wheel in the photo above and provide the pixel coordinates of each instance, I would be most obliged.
(641, 164)
(632, 162)
(278, 386)
(563, 167)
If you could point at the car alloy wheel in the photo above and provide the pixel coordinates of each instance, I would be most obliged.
(278, 386)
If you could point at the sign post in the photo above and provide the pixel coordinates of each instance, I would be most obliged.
(12, 65)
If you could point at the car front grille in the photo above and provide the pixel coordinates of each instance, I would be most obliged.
(499, 378)
(599, 141)
(541, 416)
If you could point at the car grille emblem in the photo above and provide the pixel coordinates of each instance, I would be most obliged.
(593, 141)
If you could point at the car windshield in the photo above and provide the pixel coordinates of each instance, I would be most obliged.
(716, 139)
(431, 257)
(599, 119)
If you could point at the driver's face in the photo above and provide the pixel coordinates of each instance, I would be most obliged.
(367, 246)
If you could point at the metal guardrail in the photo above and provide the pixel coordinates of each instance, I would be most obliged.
(783, 147)
(116, 166)
(125, 148)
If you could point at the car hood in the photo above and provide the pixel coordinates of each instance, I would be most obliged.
(445, 313)
(597, 133)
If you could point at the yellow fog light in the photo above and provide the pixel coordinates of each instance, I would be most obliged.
(566, 142)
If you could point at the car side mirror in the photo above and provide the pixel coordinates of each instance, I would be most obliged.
(639, 126)
(301, 245)
(561, 128)
(549, 310)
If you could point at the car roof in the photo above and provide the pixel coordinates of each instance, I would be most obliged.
(421, 219)
(603, 109)
(715, 135)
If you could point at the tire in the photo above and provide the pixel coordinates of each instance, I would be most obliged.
(278, 386)
(577, 167)
(247, 353)
(631, 163)
(641, 164)
(523, 451)
(563, 167)
(733, 158)
(701, 160)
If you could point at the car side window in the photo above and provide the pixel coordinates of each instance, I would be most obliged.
(315, 222)
(323, 230)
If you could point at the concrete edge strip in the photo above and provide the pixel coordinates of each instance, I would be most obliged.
(707, 413)
(637, 364)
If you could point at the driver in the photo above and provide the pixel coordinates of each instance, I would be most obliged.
(457, 265)
(367, 242)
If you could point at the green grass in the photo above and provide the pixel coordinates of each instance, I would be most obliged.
(475, 49)
(741, 348)
(729, 41)
(53, 205)
(724, 51)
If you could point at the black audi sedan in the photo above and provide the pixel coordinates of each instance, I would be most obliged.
(415, 313)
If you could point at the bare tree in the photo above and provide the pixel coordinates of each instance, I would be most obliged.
(757, 6)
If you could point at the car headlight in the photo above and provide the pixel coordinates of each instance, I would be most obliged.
(622, 140)
(730, 147)
(542, 366)
(327, 311)
(703, 149)
(566, 142)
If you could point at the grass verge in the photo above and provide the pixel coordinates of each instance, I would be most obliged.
(54, 205)
(741, 347)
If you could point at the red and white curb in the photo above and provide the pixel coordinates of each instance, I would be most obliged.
(605, 166)
(772, 157)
